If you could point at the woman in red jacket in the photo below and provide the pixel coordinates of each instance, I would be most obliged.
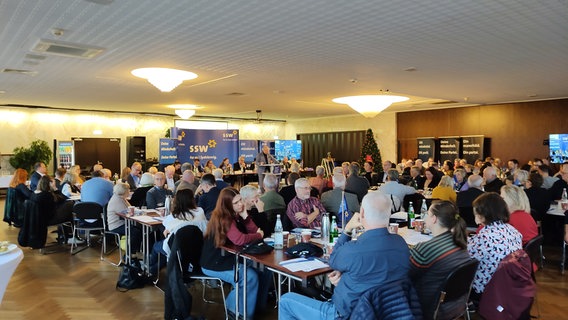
(520, 212)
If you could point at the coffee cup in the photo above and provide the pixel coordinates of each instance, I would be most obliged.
(285, 235)
(306, 236)
(393, 228)
(419, 225)
(131, 210)
(564, 205)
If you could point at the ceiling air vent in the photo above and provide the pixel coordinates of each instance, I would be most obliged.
(66, 49)
(19, 71)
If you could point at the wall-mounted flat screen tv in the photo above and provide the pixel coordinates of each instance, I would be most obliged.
(558, 144)
(288, 148)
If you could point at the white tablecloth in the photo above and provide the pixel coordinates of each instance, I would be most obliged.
(5, 181)
(8, 263)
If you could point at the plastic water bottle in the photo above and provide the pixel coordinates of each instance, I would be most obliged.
(423, 209)
(564, 195)
(278, 235)
(411, 216)
(325, 227)
(168, 204)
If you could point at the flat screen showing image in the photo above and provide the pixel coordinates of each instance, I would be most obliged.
(558, 144)
(288, 148)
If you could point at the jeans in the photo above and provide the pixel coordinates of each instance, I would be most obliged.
(252, 288)
(297, 306)
(157, 250)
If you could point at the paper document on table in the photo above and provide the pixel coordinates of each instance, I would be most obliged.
(303, 264)
(144, 218)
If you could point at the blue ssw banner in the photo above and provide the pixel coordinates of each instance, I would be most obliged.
(168, 151)
(206, 145)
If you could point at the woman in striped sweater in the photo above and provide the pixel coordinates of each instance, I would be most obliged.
(432, 261)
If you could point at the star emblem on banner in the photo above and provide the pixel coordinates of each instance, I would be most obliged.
(212, 144)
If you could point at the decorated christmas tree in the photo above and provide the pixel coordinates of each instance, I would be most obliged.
(370, 152)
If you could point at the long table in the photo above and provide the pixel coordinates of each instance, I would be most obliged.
(148, 220)
(272, 262)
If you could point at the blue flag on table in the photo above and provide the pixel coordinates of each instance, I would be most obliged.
(344, 214)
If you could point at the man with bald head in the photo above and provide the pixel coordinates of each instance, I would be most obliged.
(465, 198)
(351, 260)
(187, 181)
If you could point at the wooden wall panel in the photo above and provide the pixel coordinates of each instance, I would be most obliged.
(344, 146)
(516, 130)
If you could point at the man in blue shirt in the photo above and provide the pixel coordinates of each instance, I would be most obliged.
(156, 197)
(97, 189)
(376, 258)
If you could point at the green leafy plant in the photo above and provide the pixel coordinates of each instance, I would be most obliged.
(25, 158)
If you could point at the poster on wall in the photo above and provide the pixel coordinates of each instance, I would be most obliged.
(426, 148)
(249, 149)
(269, 143)
(207, 145)
(473, 148)
(449, 148)
(168, 151)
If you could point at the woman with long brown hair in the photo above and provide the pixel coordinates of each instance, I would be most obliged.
(231, 224)
(18, 192)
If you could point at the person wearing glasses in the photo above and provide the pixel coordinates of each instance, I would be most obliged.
(304, 211)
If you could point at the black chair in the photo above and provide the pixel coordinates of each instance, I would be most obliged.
(533, 249)
(186, 249)
(87, 217)
(454, 295)
(116, 237)
(467, 215)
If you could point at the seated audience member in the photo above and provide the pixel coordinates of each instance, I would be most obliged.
(271, 199)
(371, 176)
(295, 167)
(107, 174)
(431, 178)
(39, 171)
(416, 180)
(119, 204)
(207, 194)
(76, 169)
(464, 199)
(382, 177)
(520, 178)
(355, 183)
(184, 212)
(345, 167)
(304, 211)
(68, 187)
(125, 173)
(152, 170)
(187, 181)
(96, 189)
(494, 241)
(538, 197)
(59, 175)
(332, 199)
(392, 187)
(448, 168)
(197, 167)
(138, 198)
(555, 191)
(231, 224)
(218, 174)
(156, 196)
(319, 182)
(432, 261)
(171, 177)
(177, 168)
(351, 260)
(460, 180)
(289, 192)
(519, 212)
(548, 180)
(250, 196)
(14, 206)
(445, 190)
(492, 183)
(133, 179)
(54, 206)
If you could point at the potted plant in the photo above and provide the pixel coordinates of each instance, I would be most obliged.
(25, 158)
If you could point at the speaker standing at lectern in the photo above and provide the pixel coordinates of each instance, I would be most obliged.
(262, 159)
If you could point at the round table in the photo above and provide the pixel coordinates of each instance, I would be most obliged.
(8, 263)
